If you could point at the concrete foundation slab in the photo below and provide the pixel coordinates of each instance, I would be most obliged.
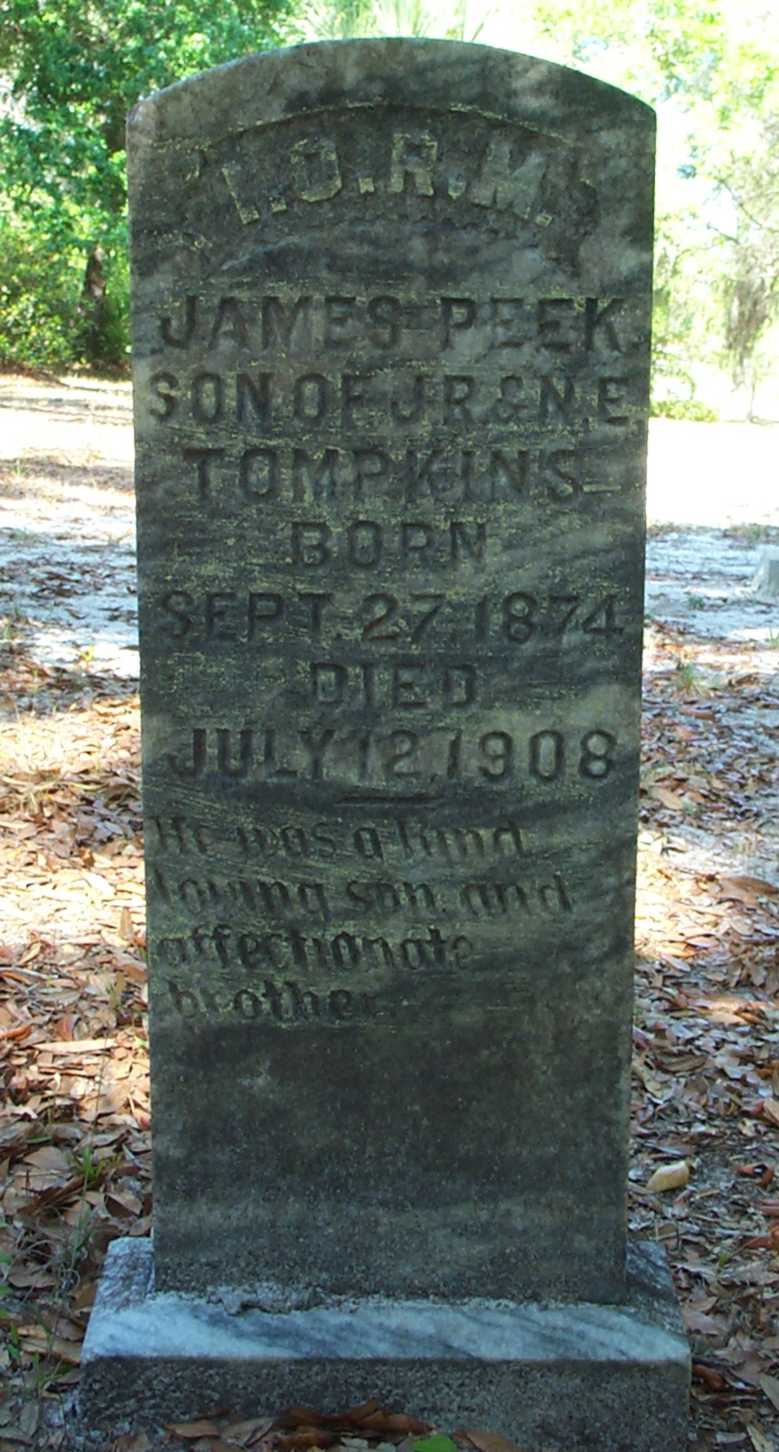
(558, 1377)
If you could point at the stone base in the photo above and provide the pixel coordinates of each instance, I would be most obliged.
(554, 1377)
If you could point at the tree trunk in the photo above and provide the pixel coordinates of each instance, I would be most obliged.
(93, 305)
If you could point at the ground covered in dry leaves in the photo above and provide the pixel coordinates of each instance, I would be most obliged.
(74, 1136)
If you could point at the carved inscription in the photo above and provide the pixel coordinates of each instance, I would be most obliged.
(280, 1001)
(395, 839)
(382, 619)
(318, 954)
(402, 324)
(407, 161)
(361, 896)
(347, 401)
(224, 945)
(494, 756)
(398, 477)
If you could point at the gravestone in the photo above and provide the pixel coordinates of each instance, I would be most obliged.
(391, 350)
(765, 582)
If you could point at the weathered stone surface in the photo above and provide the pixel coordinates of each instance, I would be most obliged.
(391, 356)
(765, 582)
(567, 1376)
(391, 352)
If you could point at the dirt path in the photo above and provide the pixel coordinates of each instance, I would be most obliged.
(67, 529)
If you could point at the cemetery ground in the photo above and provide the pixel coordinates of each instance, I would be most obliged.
(74, 1137)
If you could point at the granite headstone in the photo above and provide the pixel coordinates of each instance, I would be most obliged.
(391, 352)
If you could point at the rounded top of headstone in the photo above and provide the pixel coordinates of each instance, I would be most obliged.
(271, 86)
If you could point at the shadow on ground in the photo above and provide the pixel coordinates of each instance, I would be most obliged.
(71, 410)
(35, 473)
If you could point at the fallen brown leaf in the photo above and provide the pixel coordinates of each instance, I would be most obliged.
(306, 1437)
(55, 1346)
(56, 1195)
(355, 1415)
(126, 929)
(493, 1442)
(770, 1385)
(392, 1422)
(699, 1322)
(757, 885)
(246, 1433)
(193, 1430)
(759, 1440)
(669, 799)
(21, 1031)
(299, 1417)
(31, 1278)
(669, 1177)
(76, 1046)
(711, 1378)
(48, 1157)
(771, 1110)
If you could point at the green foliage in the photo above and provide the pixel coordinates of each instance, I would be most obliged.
(43, 321)
(748, 177)
(74, 69)
(39, 298)
(342, 19)
(691, 409)
(712, 69)
(436, 1442)
(336, 19)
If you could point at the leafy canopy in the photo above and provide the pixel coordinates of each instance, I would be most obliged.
(70, 70)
